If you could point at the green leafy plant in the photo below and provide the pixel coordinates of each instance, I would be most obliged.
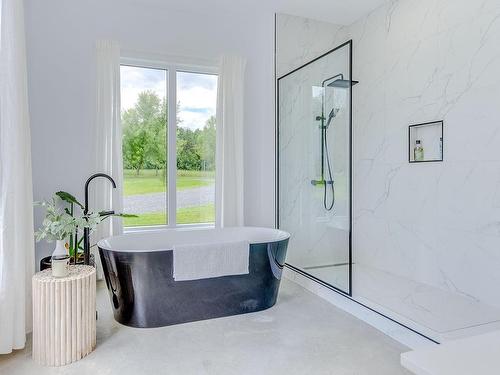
(57, 224)
(62, 222)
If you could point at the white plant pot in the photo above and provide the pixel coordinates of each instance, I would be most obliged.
(60, 260)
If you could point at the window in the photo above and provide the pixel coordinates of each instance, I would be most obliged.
(169, 138)
(196, 98)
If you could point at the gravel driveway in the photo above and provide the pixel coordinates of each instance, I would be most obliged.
(154, 202)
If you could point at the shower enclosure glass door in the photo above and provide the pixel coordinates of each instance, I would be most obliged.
(314, 166)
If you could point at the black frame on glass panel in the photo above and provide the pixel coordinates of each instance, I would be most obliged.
(302, 272)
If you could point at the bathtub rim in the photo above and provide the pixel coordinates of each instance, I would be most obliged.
(104, 244)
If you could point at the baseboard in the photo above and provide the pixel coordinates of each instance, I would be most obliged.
(391, 328)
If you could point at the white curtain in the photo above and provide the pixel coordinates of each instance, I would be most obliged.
(107, 141)
(17, 263)
(229, 181)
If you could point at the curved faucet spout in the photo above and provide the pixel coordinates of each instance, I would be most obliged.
(87, 187)
(86, 231)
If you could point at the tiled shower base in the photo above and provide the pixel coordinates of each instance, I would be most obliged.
(433, 312)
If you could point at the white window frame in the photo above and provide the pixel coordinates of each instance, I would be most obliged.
(172, 65)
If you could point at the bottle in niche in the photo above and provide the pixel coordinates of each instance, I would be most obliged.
(418, 151)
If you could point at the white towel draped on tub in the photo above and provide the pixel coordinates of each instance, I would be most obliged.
(203, 261)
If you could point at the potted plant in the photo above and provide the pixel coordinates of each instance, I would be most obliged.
(64, 222)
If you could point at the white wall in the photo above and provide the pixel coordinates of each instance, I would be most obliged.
(419, 61)
(61, 36)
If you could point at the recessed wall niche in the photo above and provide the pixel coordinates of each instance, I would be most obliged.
(425, 142)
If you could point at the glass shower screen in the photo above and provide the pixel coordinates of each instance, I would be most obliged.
(314, 167)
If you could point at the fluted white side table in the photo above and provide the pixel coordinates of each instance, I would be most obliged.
(64, 316)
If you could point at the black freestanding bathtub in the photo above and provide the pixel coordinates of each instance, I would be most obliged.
(138, 268)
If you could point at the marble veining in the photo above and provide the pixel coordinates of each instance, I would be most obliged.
(436, 224)
(300, 40)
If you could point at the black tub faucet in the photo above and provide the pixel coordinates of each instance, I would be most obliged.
(86, 231)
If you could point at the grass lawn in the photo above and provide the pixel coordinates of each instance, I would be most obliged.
(187, 215)
(148, 182)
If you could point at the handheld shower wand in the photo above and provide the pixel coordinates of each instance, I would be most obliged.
(331, 116)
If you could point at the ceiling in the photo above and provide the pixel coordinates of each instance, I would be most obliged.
(343, 12)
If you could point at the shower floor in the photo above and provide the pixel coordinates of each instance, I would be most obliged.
(436, 313)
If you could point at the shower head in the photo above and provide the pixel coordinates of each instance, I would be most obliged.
(342, 83)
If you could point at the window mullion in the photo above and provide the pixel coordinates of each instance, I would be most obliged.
(172, 149)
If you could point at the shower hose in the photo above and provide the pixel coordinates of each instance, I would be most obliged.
(330, 182)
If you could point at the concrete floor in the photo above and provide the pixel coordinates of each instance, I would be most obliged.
(302, 334)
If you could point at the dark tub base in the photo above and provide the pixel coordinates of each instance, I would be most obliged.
(144, 294)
